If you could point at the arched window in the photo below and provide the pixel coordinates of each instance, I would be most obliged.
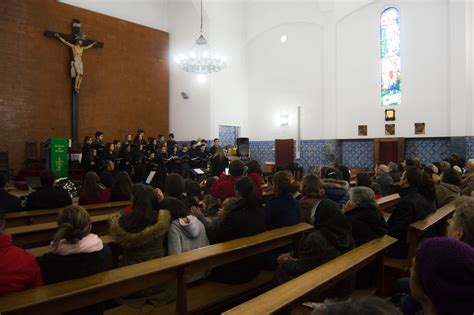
(390, 56)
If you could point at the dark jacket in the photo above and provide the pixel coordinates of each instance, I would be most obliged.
(307, 204)
(331, 239)
(218, 165)
(282, 210)
(445, 193)
(48, 198)
(56, 268)
(366, 224)
(395, 175)
(336, 190)
(245, 219)
(385, 181)
(411, 207)
(8, 202)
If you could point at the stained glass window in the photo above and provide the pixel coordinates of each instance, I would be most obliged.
(390, 55)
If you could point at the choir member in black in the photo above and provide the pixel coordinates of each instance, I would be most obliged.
(86, 145)
(219, 162)
(217, 144)
(152, 146)
(161, 141)
(128, 140)
(163, 165)
(118, 158)
(171, 143)
(93, 163)
(185, 160)
(174, 164)
(138, 159)
(111, 155)
(139, 138)
(194, 154)
(154, 163)
(204, 155)
(126, 156)
(99, 145)
(117, 146)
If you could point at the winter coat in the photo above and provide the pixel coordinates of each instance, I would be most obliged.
(183, 237)
(307, 204)
(366, 224)
(18, 268)
(246, 218)
(282, 210)
(411, 207)
(223, 187)
(48, 198)
(140, 247)
(467, 184)
(331, 238)
(445, 193)
(57, 268)
(336, 190)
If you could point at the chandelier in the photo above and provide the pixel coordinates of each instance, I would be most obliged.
(202, 59)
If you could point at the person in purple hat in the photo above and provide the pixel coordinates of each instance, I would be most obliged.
(442, 277)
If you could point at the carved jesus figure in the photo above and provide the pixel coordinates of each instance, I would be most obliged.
(77, 51)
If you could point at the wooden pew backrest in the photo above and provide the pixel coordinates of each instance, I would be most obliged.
(315, 281)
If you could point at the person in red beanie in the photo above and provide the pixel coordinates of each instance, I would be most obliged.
(18, 269)
(442, 277)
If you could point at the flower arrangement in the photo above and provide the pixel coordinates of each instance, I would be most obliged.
(65, 183)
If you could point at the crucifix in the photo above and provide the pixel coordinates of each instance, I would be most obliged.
(78, 43)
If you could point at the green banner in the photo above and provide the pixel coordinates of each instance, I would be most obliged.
(59, 156)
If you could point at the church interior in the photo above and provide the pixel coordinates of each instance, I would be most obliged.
(237, 157)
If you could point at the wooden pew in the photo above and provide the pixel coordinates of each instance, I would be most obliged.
(296, 291)
(36, 233)
(415, 233)
(69, 295)
(389, 201)
(22, 218)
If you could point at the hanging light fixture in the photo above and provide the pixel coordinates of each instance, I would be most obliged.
(202, 59)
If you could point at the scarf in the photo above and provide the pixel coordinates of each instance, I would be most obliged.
(89, 244)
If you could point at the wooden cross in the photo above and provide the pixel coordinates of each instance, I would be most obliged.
(78, 43)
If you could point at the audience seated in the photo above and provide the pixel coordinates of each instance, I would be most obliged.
(363, 179)
(210, 206)
(411, 207)
(384, 179)
(283, 209)
(367, 305)
(8, 202)
(141, 234)
(75, 253)
(174, 186)
(107, 174)
(313, 198)
(122, 187)
(245, 218)
(93, 191)
(18, 269)
(255, 173)
(193, 193)
(335, 188)
(332, 237)
(223, 188)
(186, 232)
(442, 277)
(49, 196)
(467, 184)
(449, 188)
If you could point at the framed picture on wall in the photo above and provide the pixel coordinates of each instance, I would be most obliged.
(419, 128)
(389, 129)
(362, 130)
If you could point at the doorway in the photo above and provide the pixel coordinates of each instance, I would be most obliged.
(389, 150)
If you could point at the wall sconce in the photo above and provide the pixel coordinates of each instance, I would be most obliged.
(284, 120)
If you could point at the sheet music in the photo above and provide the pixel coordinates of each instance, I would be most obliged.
(150, 177)
(198, 171)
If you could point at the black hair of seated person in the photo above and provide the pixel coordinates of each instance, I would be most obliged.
(236, 168)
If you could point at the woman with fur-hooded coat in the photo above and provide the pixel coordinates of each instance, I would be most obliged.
(141, 235)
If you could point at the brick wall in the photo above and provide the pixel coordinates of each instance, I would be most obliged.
(125, 84)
